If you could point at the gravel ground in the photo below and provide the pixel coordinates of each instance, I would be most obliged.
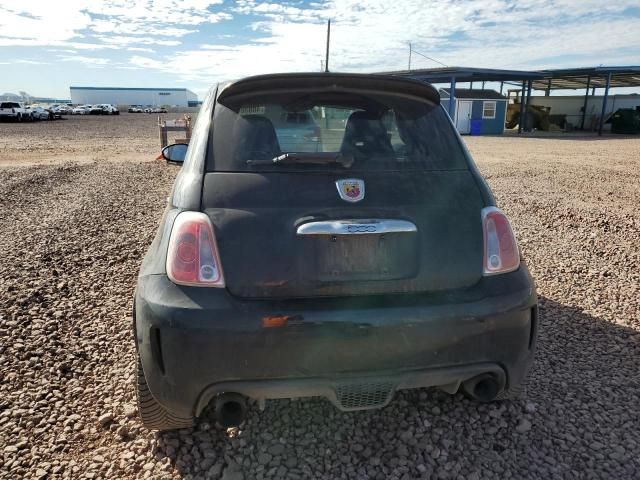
(82, 139)
(72, 237)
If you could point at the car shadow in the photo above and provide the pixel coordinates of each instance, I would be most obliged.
(577, 418)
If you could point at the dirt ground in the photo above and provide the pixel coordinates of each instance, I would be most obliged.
(82, 139)
(80, 200)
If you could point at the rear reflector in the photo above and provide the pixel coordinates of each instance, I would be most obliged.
(192, 258)
(501, 253)
(272, 321)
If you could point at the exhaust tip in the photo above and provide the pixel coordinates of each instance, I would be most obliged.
(230, 409)
(486, 389)
(483, 388)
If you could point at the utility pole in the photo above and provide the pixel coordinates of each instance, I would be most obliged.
(326, 60)
(409, 67)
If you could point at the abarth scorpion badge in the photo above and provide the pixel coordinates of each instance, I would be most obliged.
(350, 189)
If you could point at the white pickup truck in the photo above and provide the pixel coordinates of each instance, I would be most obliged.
(14, 111)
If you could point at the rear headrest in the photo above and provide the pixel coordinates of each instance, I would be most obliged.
(365, 136)
(256, 138)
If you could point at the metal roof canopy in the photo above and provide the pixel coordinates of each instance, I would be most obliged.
(552, 79)
(474, 94)
(596, 77)
(465, 74)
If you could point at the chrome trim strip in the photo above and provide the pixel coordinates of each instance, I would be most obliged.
(357, 227)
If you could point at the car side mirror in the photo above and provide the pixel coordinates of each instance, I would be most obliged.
(175, 153)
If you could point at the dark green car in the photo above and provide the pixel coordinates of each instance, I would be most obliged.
(375, 261)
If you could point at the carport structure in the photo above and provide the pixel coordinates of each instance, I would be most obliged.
(453, 75)
(545, 80)
(589, 78)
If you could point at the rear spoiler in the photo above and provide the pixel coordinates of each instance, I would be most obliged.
(330, 81)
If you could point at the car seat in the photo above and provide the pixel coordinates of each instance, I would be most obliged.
(256, 139)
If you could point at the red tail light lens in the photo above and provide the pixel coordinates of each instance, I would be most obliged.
(501, 253)
(192, 258)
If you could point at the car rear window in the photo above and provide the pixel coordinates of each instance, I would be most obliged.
(364, 132)
(9, 105)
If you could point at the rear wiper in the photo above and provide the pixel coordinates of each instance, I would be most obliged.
(314, 158)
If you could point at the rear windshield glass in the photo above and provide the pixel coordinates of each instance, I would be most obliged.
(332, 131)
(9, 105)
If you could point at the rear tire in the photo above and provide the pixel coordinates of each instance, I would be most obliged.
(154, 416)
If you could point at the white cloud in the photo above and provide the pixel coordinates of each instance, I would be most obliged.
(373, 35)
(141, 49)
(49, 22)
(30, 62)
(85, 60)
(129, 40)
(167, 12)
(137, 28)
(138, 61)
(61, 50)
(367, 35)
(90, 46)
(41, 22)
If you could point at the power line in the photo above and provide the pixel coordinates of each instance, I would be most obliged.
(411, 50)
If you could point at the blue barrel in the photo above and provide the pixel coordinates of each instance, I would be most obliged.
(476, 127)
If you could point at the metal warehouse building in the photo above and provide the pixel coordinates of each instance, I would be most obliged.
(180, 97)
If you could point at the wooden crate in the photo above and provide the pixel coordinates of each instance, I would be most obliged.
(177, 125)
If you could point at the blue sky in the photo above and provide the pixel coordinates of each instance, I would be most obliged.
(48, 45)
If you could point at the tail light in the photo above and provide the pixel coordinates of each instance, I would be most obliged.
(501, 253)
(192, 257)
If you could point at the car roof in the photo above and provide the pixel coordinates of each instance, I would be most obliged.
(333, 81)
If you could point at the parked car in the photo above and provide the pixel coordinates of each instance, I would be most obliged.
(80, 110)
(96, 110)
(14, 111)
(64, 110)
(26, 114)
(108, 109)
(56, 112)
(103, 109)
(378, 263)
(135, 109)
(40, 113)
(296, 130)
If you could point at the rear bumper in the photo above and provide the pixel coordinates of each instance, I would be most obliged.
(349, 392)
(196, 342)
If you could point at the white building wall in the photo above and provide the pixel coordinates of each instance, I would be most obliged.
(571, 106)
(191, 97)
(152, 97)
